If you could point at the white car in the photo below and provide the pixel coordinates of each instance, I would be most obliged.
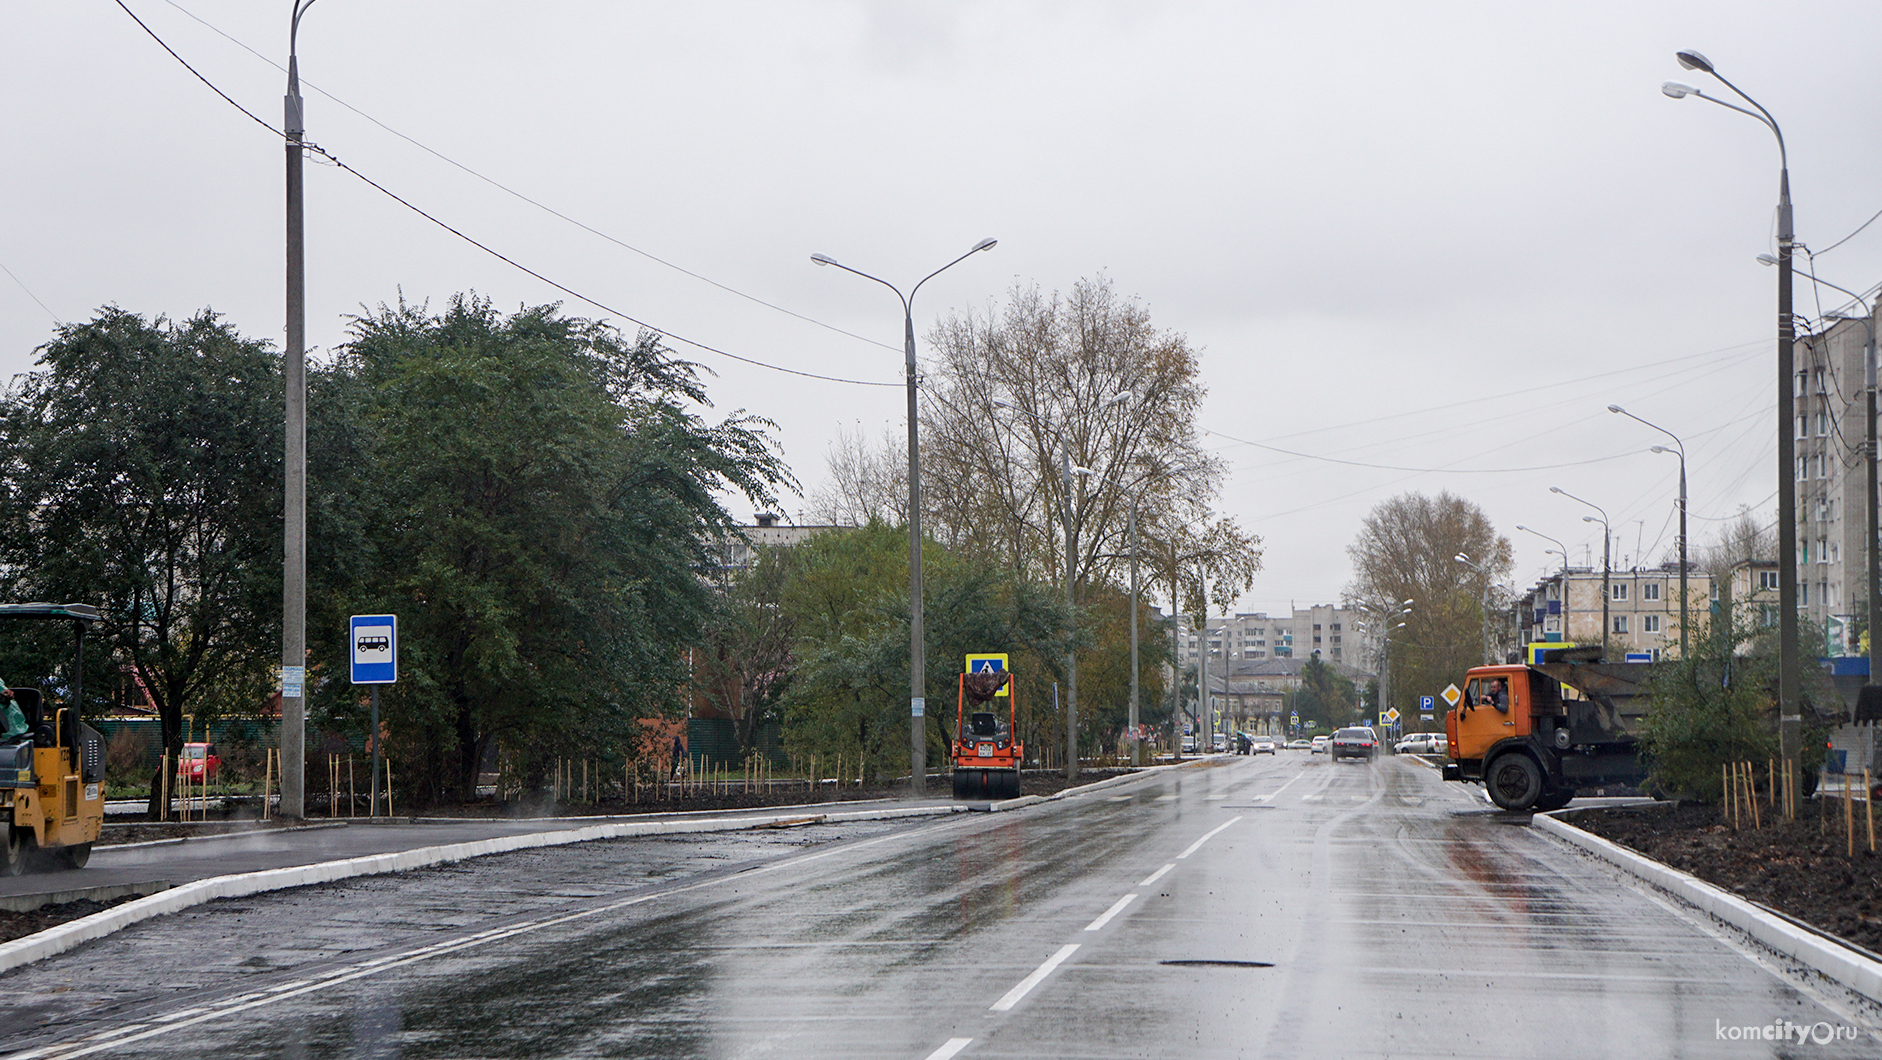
(1261, 745)
(1320, 744)
(1422, 743)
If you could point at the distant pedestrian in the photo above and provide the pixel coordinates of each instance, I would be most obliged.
(679, 758)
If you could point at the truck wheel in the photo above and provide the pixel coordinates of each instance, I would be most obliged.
(1514, 781)
(74, 856)
(18, 844)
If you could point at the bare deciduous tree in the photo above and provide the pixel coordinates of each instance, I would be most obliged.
(1063, 410)
(867, 482)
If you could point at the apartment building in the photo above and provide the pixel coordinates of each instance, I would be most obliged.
(1323, 628)
(1831, 514)
(1641, 612)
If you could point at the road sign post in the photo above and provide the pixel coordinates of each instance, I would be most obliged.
(374, 644)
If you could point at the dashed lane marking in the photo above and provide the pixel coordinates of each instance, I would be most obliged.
(1024, 986)
(1157, 875)
(951, 1047)
(1206, 836)
(1116, 908)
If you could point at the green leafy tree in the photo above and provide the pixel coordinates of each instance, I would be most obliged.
(142, 460)
(1712, 707)
(540, 499)
(848, 597)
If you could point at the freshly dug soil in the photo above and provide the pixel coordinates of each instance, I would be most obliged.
(1801, 868)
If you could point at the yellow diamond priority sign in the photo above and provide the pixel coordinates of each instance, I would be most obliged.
(1452, 695)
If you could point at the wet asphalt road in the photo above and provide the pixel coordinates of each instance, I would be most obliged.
(1278, 907)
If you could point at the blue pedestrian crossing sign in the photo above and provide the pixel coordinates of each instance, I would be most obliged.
(375, 647)
(995, 663)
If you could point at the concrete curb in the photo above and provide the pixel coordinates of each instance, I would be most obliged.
(1024, 801)
(1845, 966)
(57, 940)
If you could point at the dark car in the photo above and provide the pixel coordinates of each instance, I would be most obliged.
(1355, 742)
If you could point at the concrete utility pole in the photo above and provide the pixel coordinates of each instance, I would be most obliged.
(294, 501)
(1071, 605)
(1137, 742)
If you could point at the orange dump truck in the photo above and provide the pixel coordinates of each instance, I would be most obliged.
(1534, 736)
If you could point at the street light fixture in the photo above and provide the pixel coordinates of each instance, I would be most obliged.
(1790, 720)
(917, 704)
(1607, 568)
(1684, 619)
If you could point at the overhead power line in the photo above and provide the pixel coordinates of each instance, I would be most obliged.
(550, 210)
(571, 292)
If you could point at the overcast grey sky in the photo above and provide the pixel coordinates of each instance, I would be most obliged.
(1432, 241)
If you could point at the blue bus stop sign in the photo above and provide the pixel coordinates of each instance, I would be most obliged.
(375, 647)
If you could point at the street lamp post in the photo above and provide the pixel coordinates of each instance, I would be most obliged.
(1681, 453)
(1790, 720)
(1563, 552)
(294, 486)
(917, 704)
(1137, 742)
(1607, 569)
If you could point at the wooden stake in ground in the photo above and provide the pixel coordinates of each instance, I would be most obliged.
(1751, 793)
(1868, 807)
(1771, 765)
(1729, 791)
(1849, 818)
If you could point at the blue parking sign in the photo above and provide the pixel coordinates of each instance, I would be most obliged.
(375, 648)
(1425, 704)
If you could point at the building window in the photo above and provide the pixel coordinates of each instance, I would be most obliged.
(1650, 623)
(1650, 591)
(1336, 627)
(1820, 422)
(1803, 594)
(1823, 550)
(1620, 591)
(1767, 579)
(1620, 623)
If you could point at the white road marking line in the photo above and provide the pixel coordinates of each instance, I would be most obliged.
(1206, 836)
(1166, 798)
(1115, 798)
(954, 1045)
(1111, 912)
(1038, 975)
(1279, 790)
(1157, 875)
